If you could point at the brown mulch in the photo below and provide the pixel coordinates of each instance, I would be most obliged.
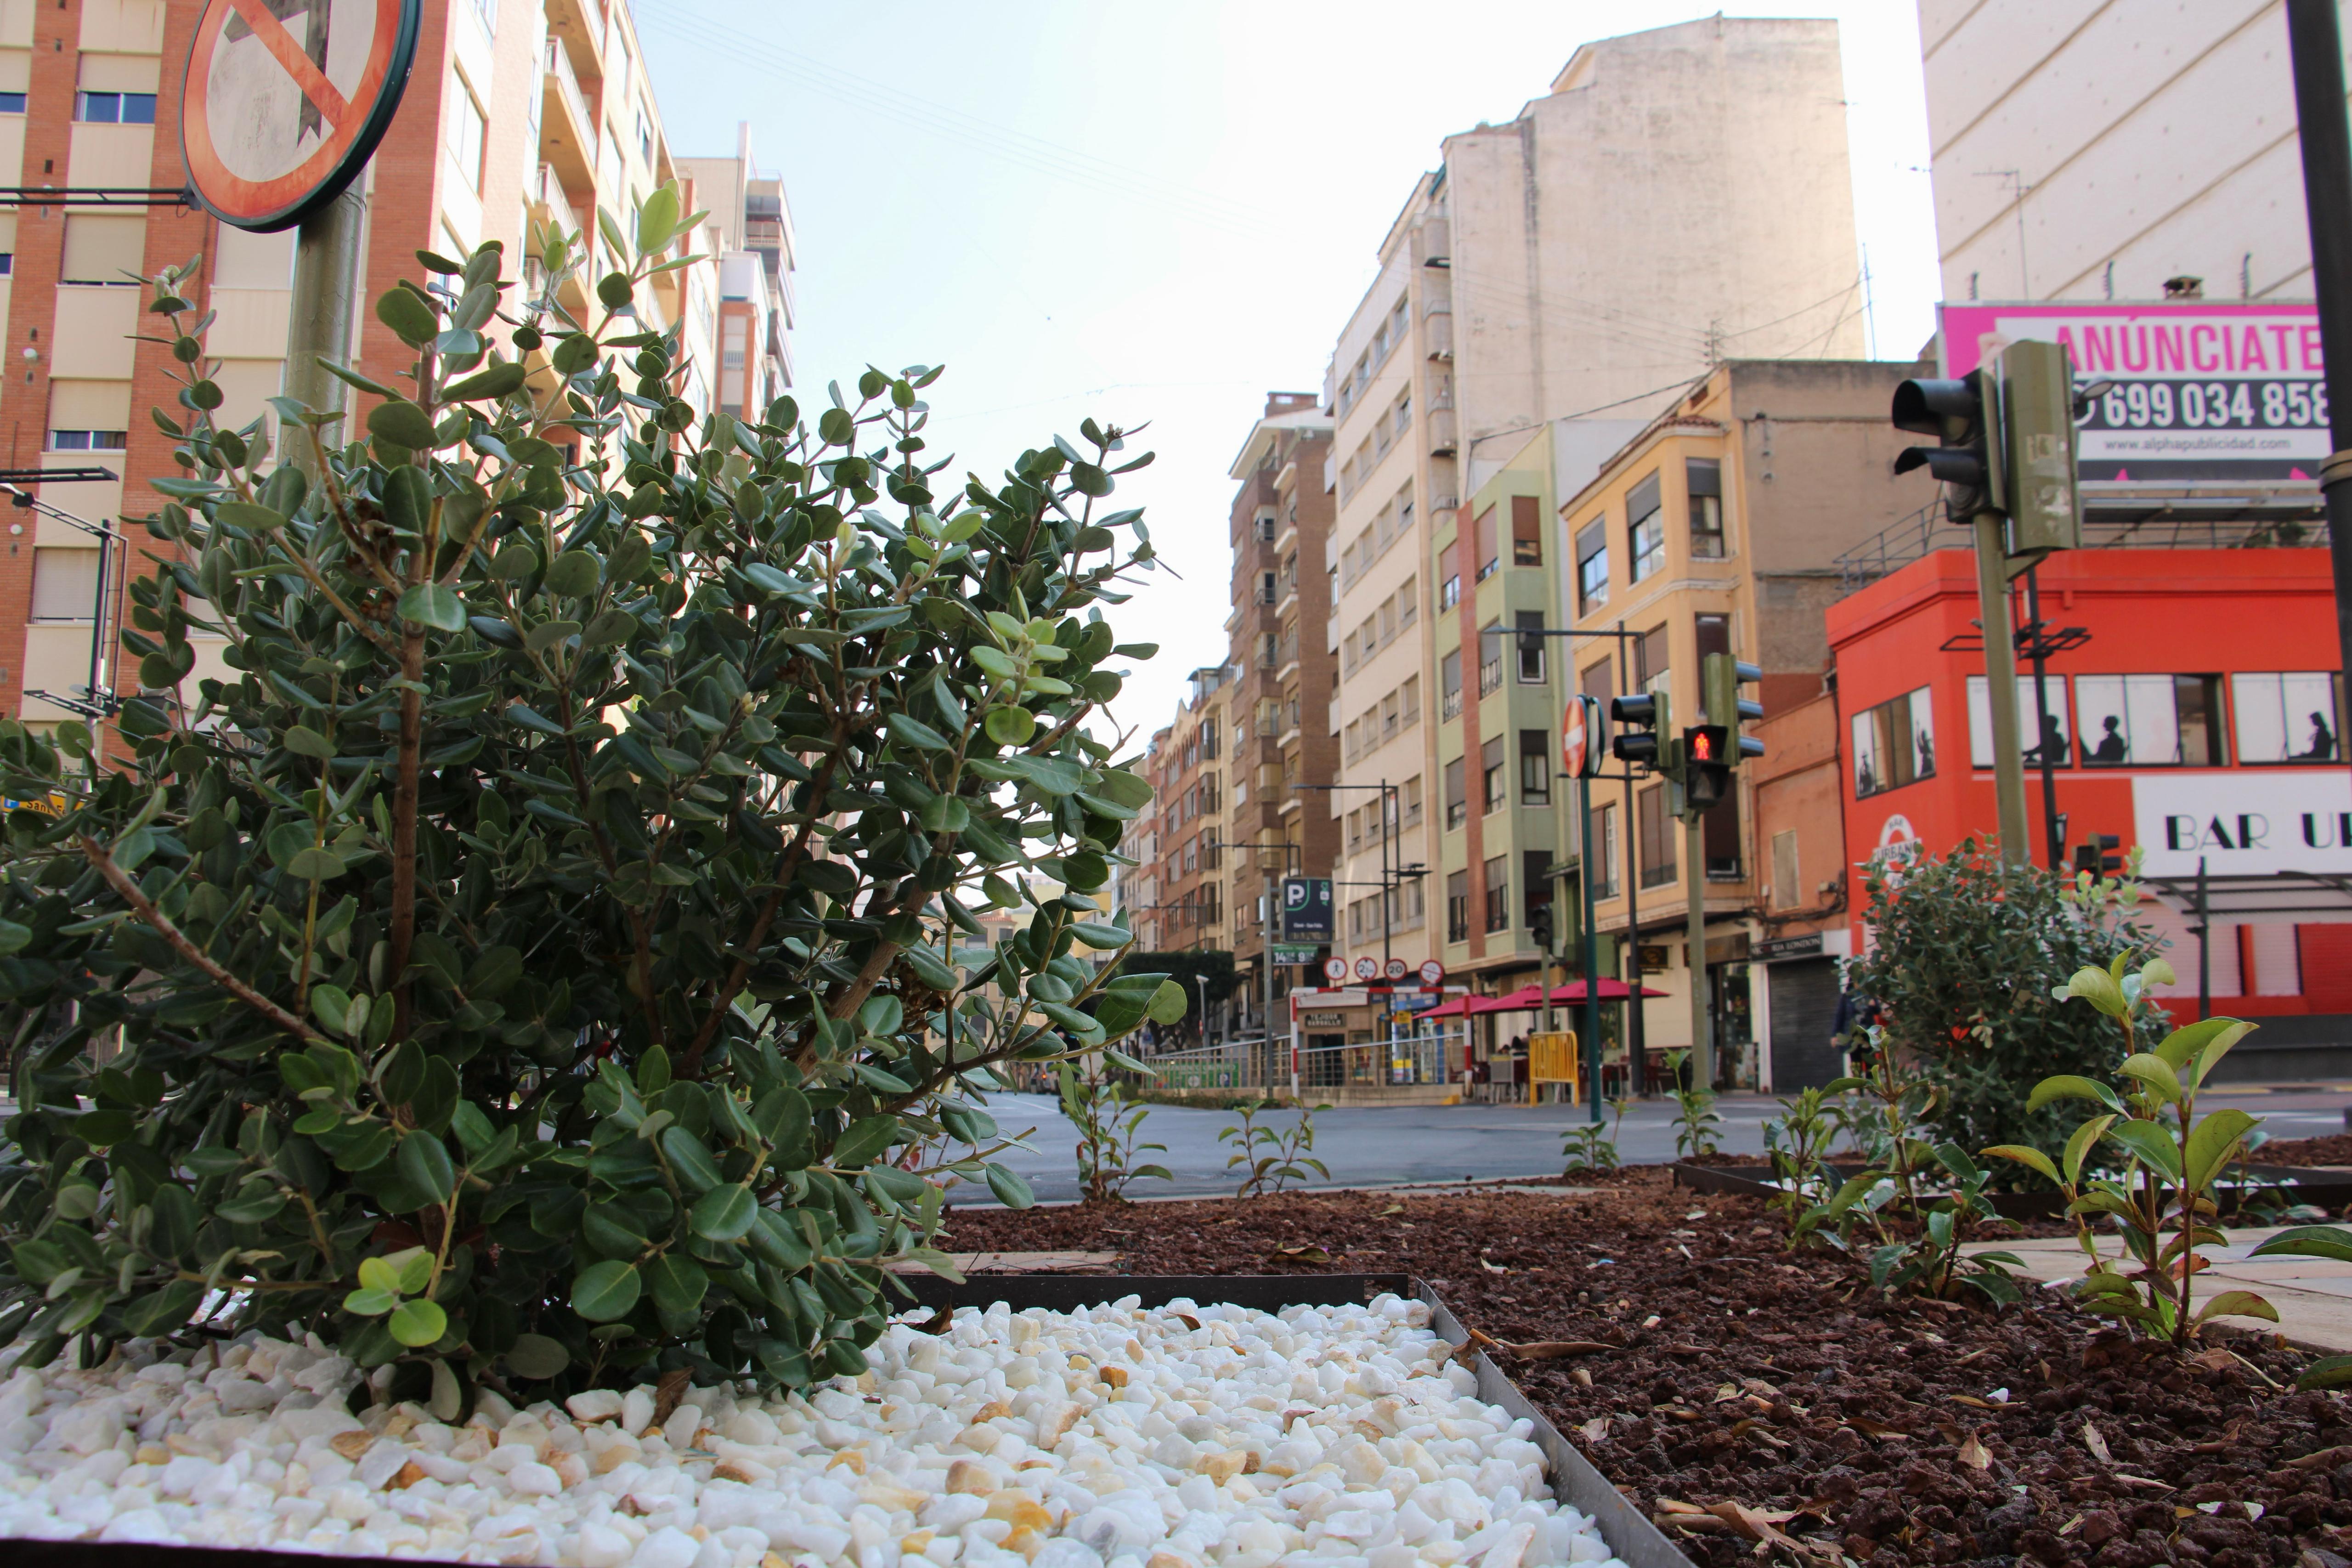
(2332, 1150)
(1735, 1372)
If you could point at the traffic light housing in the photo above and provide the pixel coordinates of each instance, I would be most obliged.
(1539, 926)
(2098, 855)
(1964, 415)
(1706, 765)
(1721, 677)
(2037, 406)
(1641, 721)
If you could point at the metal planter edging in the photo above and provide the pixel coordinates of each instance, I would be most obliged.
(1628, 1532)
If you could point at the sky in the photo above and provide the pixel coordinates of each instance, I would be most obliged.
(1154, 214)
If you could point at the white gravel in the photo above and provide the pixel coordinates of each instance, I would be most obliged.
(1108, 1438)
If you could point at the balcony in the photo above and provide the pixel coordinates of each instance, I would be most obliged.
(1440, 433)
(1437, 329)
(567, 135)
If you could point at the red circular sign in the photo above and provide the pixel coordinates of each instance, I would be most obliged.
(1574, 738)
(1335, 970)
(1396, 969)
(1367, 968)
(285, 100)
(1432, 972)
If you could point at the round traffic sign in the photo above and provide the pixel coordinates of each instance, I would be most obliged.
(283, 104)
(1367, 968)
(1396, 969)
(1573, 738)
(1432, 972)
(1335, 970)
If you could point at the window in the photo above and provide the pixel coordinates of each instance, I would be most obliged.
(1411, 796)
(65, 585)
(7, 263)
(2288, 717)
(1650, 660)
(2150, 721)
(1600, 683)
(735, 337)
(1536, 890)
(1449, 593)
(1412, 700)
(465, 133)
(1449, 677)
(12, 104)
(487, 10)
(1489, 550)
(88, 440)
(1526, 532)
(1490, 658)
(1894, 743)
(1498, 894)
(1655, 829)
(110, 108)
(1645, 529)
(1490, 771)
(1457, 906)
(1392, 710)
(1265, 588)
(2056, 735)
(101, 247)
(1703, 477)
(1593, 565)
(1531, 647)
(1603, 860)
(1408, 599)
(1457, 799)
(645, 136)
(1534, 767)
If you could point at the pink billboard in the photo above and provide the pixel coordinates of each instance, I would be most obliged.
(2203, 392)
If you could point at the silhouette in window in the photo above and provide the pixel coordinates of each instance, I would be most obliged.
(2322, 742)
(2055, 744)
(1865, 781)
(2112, 746)
(1924, 744)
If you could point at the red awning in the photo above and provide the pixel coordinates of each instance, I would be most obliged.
(1528, 997)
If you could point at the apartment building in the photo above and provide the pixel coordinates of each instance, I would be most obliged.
(1681, 196)
(2093, 151)
(1279, 696)
(754, 228)
(1718, 529)
(1183, 896)
(518, 114)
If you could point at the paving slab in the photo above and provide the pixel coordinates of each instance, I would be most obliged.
(2313, 1295)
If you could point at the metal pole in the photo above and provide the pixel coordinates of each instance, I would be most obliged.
(326, 292)
(2000, 682)
(1384, 878)
(2318, 55)
(1637, 1030)
(1592, 950)
(2204, 949)
(1694, 890)
(1294, 1051)
(2050, 833)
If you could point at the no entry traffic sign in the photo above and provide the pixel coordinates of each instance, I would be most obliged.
(285, 100)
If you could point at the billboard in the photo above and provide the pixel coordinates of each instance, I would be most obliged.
(2204, 392)
(2244, 821)
(1306, 908)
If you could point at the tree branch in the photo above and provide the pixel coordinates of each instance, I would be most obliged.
(119, 880)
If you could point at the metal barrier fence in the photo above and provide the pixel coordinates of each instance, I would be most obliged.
(1261, 1063)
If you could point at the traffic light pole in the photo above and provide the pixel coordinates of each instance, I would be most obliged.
(2000, 682)
(1592, 950)
(1695, 935)
(2318, 53)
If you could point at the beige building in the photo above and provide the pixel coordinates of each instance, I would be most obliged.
(1679, 197)
(2086, 150)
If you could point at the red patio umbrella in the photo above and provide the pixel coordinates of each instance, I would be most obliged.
(1468, 1007)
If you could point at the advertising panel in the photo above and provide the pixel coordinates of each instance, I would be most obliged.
(2244, 821)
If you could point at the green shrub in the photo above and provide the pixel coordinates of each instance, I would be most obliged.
(533, 962)
(1966, 959)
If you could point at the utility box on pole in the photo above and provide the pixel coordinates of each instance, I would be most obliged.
(2037, 409)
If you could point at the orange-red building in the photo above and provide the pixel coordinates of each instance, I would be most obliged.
(2199, 719)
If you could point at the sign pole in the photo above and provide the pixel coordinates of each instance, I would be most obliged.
(2000, 689)
(326, 292)
(1294, 1050)
(1591, 948)
(1694, 890)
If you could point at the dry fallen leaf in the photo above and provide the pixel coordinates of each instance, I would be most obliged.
(1975, 1455)
(1583, 1378)
(1870, 1428)
(1392, 1208)
(2096, 1444)
(1492, 1268)
(1595, 1429)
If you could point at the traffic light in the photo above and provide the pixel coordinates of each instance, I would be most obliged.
(1641, 721)
(2099, 856)
(1721, 677)
(2037, 405)
(1706, 765)
(1965, 416)
(1539, 926)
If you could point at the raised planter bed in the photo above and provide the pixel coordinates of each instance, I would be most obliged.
(2328, 1189)
(1573, 1481)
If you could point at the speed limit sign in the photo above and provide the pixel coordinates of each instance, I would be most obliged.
(1368, 968)
(283, 104)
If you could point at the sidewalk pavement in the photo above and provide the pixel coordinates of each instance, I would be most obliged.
(2313, 1295)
